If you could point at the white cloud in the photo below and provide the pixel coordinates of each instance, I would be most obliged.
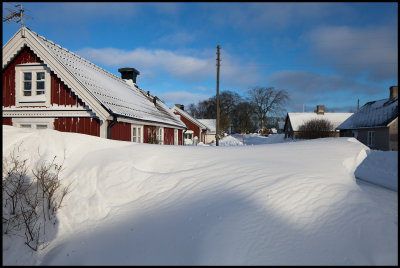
(191, 66)
(182, 97)
(354, 51)
(332, 90)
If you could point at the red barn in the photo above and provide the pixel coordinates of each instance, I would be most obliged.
(47, 86)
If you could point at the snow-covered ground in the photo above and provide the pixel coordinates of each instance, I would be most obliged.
(285, 203)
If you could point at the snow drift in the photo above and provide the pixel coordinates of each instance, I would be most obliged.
(275, 204)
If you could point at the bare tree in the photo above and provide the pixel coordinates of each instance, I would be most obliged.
(267, 100)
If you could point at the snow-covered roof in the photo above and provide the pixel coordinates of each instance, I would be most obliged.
(373, 114)
(116, 95)
(189, 117)
(211, 125)
(298, 119)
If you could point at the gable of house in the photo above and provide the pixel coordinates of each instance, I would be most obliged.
(211, 124)
(102, 92)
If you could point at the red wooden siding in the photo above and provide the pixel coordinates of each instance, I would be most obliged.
(121, 131)
(180, 137)
(7, 121)
(24, 56)
(61, 94)
(168, 136)
(191, 126)
(83, 125)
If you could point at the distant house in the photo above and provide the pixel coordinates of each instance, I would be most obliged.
(211, 125)
(196, 131)
(375, 124)
(294, 120)
(47, 86)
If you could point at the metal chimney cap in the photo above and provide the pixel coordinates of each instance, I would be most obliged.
(128, 69)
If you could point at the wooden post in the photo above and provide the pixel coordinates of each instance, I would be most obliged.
(217, 126)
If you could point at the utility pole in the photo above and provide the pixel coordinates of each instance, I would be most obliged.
(217, 130)
(358, 104)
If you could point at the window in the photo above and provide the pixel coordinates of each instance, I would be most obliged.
(188, 136)
(137, 133)
(32, 82)
(41, 126)
(160, 135)
(371, 138)
(35, 123)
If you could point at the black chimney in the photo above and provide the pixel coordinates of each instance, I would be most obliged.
(129, 73)
(180, 106)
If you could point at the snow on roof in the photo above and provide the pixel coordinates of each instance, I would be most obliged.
(373, 114)
(298, 119)
(188, 116)
(114, 93)
(211, 124)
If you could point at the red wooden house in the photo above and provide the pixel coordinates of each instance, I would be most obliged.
(47, 86)
(196, 130)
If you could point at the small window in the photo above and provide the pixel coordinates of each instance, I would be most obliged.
(371, 138)
(41, 126)
(28, 84)
(160, 135)
(32, 84)
(134, 135)
(25, 125)
(137, 134)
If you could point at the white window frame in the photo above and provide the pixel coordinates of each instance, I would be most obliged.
(371, 138)
(160, 135)
(34, 100)
(34, 122)
(176, 136)
(139, 130)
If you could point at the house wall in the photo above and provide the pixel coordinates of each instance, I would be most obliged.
(24, 56)
(393, 136)
(203, 136)
(180, 137)
(7, 121)
(83, 125)
(333, 134)
(121, 131)
(210, 138)
(191, 126)
(168, 136)
(381, 137)
(61, 95)
(288, 128)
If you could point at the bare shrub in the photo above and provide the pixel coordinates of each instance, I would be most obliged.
(314, 129)
(29, 201)
(47, 177)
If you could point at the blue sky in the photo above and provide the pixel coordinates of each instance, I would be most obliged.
(321, 53)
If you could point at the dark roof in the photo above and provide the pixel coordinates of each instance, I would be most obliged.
(373, 114)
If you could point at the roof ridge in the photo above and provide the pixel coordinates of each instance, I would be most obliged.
(79, 57)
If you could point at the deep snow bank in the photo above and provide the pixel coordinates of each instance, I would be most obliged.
(276, 204)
